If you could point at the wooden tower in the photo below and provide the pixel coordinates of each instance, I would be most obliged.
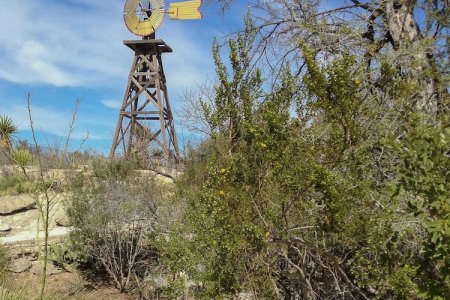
(145, 121)
(145, 127)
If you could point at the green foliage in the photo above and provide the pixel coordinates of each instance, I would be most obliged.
(7, 129)
(62, 254)
(22, 157)
(423, 180)
(117, 169)
(270, 186)
(11, 184)
(175, 289)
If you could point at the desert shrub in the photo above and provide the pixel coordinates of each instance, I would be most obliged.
(119, 168)
(299, 206)
(423, 180)
(61, 254)
(113, 221)
(12, 183)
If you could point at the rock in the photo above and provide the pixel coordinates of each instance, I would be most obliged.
(161, 179)
(51, 269)
(245, 296)
(16, 203)
(32, 258)
(18, 266)
(5, 228)
(62, 219)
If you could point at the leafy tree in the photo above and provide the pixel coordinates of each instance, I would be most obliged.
(414, 32)
(242, 216)
(290, 195)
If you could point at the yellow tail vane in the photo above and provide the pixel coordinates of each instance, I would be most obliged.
(188, 10)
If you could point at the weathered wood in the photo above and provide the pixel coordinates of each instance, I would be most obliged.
(145, 45)
(145, 107)
(156, 112)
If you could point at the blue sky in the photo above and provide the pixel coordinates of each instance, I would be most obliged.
(64, 50)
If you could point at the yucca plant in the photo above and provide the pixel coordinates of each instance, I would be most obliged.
(7, 129)
(22, 157)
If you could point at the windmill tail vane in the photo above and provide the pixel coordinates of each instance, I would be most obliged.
(188, 10)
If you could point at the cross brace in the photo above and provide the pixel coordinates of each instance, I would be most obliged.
(145, 118)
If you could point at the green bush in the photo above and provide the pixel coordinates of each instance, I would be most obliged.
(117, 169)
(424, 172)
(300, 205)
(11, 184)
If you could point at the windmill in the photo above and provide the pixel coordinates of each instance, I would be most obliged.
(145, 120)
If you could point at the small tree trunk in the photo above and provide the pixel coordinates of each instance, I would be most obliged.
(405, 37)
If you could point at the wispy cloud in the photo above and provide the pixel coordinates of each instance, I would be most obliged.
(60, 45)
(112, 103)
(191, 60)
(75, 47)
(79, 43)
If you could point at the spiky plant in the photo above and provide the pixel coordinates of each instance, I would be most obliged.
(7, 129)
(22, 158)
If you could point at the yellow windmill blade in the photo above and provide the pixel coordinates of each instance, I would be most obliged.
(188, 10)
(143, 17)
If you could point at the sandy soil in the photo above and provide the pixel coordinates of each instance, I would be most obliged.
(70, 285)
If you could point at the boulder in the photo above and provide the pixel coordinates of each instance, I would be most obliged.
(51, 269)
(18, 265)
(61, 219)
(16, 203)
(32, 257)
(5, 228)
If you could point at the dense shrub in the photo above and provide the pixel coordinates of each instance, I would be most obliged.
(114, 220)
(117, 169)
(14, 183)
(291, 194)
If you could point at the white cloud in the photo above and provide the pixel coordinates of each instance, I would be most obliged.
(79, 43)
(111, 103)
(60, 45)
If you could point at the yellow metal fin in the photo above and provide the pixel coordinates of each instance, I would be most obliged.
(188, 10)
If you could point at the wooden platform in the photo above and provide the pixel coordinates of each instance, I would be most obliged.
(146, 45)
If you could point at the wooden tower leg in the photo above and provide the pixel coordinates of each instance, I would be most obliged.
(145, 120)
